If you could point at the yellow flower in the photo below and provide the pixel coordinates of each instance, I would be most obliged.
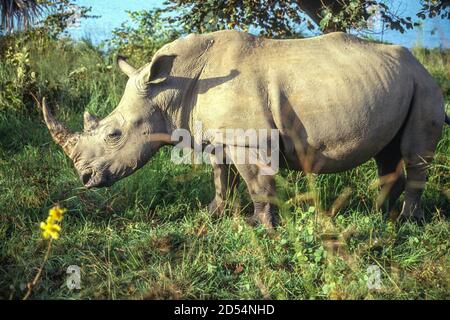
(50, 229)
(56, 213)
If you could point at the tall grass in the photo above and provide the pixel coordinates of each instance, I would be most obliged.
(150, 236)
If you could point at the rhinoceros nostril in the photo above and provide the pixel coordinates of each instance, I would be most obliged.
(86, 176)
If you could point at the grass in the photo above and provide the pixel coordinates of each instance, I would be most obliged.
(150, 236)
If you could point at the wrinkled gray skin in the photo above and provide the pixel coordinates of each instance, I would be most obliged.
(336, 100)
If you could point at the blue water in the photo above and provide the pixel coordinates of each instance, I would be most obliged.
(433, 33)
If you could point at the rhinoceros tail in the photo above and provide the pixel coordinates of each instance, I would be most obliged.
(447, 120)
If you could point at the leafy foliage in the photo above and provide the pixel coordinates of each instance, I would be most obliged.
(285, 18)
(63, 13)
(434, 8)
(34, 66)
(17, 77)
(39, 62)
(273, 18)
(438, 64)
(147, 33)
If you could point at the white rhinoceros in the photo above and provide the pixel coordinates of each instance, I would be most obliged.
(336, 100)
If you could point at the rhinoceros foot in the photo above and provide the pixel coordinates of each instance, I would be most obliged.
(411, 213)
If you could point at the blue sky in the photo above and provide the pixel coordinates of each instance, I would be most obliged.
(113, 13)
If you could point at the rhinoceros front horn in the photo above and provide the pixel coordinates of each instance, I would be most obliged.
(59, 132)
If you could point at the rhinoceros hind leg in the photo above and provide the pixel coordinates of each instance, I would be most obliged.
(226, 179)
(391, 175)
(415, 183)
(418, 144)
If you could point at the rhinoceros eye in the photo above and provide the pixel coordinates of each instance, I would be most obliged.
(114, 134)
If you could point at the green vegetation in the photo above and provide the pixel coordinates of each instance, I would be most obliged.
(285, 19)
(150, 236)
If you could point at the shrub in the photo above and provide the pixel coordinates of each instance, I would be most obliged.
(141, 42)
(437, 62)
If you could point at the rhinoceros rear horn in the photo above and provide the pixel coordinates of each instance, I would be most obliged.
(126, 68)
(59, 132)
(90, 121)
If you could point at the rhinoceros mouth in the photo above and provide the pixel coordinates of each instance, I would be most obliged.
(95, 179)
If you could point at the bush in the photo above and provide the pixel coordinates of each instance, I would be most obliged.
(36, 63)
(141, 42)
(437, 62)
(16, 77)
(61, 70)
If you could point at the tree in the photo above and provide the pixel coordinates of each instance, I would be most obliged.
(284, 17)
(62, 15)
(18, 14)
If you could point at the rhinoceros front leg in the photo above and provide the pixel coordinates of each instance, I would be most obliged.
(260, 185)
(226, 179)
(262, 191)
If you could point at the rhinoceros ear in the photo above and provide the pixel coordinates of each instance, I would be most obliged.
(126, 68)
(159, 70)
(90, 121)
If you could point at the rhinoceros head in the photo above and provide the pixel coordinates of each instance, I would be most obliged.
(116, 146)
